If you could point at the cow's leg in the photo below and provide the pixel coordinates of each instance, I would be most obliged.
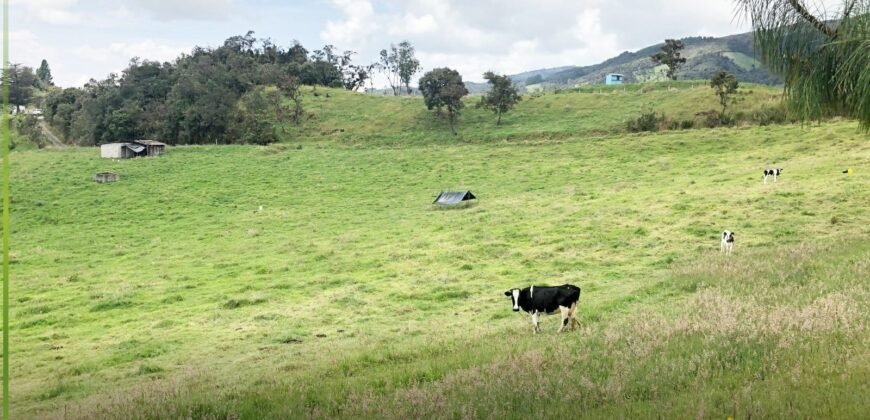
(721, 247)
(535, 324)
(774, 177)
(574, 322)
(566, 317)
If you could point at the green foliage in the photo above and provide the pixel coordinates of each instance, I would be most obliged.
(43, 73)
(442, 88)
(647, 121)
(260, 112)
(399, 65)
(502, 95)
(193, 99)
(21, 81)
(670, 56)
(27, 126)
(725, 85)
(822, 57)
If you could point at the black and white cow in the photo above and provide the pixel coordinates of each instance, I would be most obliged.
(727, 243)
(775, 172)
(538, 300)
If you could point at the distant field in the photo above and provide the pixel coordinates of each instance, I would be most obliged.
(744, 61)
(361, 121)
(171, 294)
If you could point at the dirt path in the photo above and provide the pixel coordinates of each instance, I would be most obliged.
(54, 140)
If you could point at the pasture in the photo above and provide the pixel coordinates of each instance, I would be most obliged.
(170, 293)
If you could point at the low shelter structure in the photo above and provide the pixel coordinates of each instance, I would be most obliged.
(104, 177)
(452, 198)
(135, 148)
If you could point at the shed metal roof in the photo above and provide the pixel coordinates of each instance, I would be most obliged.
(449, 198)
(136, 148)
(149, 142)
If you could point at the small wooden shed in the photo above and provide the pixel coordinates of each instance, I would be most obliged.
(116, 151)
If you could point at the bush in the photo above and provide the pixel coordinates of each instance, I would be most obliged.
(648, 121)
(687, 124)
(715, 119)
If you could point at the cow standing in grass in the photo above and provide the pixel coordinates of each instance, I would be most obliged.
(775, 172)
(538, 300)
(727, 242)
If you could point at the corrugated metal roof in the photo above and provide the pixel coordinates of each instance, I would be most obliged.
(136, 148)
(149, 142)
(448, 198)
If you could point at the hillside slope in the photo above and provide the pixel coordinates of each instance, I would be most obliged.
(315, 279)
(705, 56)
(363, 120)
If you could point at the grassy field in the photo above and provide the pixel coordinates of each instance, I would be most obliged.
(314, 279)
(351, 119)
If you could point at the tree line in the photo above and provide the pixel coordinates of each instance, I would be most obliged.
(226, 94)
(244, 91)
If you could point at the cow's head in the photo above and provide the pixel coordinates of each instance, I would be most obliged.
(514, 294)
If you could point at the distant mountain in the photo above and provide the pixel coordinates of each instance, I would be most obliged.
(704, 56)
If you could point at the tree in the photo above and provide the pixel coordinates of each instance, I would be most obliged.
(289, 85)
(20, 80)
(443, 88)
(670, 56)
(43, 73)
(501, 97)
(823, 58)
(725, 84)
(323, 68)
(400, 65)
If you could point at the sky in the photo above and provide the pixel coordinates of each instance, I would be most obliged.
(84, 39)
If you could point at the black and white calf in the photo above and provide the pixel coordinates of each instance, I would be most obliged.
(538, 300)
(727, 243)
(775, 172)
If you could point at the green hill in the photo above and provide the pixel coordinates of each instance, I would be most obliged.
(705, 56)
(312, 278)
(363, 120)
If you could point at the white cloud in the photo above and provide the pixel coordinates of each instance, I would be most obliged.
(358, 25)
(182, 9)
(474, 37)
(54, 12)
(116, 56)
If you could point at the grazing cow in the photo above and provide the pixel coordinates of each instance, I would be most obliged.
(772, 172)
(727, 242)
(538, 300)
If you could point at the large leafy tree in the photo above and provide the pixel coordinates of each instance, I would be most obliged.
(502, 95)
(442, 88)
(670, 56)
(20, 80)
(822, 57)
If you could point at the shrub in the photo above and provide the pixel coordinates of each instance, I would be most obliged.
(687, 124)
(647, 121)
